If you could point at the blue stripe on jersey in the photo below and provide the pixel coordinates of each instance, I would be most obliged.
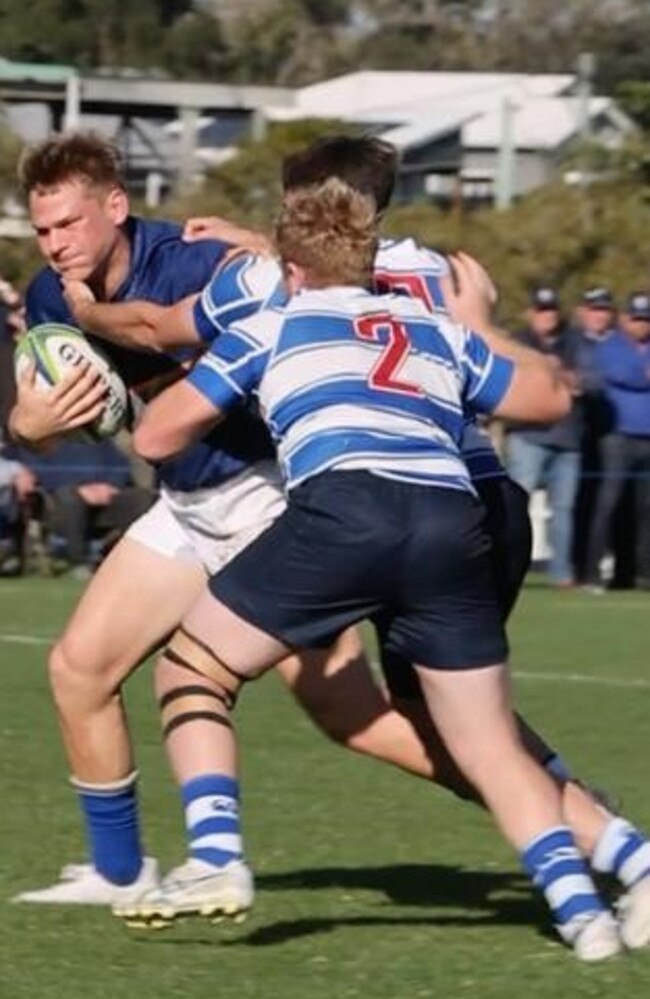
(348, 390)
(362, 448)
(243, 285)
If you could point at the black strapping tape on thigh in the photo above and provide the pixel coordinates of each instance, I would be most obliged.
(173, 695)
(191, 716)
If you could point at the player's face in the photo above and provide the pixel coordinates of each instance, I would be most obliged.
(77, 227)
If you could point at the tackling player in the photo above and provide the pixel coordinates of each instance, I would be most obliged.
(365, 397)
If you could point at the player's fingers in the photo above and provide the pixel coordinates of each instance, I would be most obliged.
(196, 228)
(86, 415)
(87, 382)
(475, 271)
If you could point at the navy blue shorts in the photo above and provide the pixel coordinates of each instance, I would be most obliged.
(415, 560)
(508, 524)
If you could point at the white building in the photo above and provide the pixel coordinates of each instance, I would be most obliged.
(509, 129)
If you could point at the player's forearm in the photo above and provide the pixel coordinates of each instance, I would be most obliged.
(175, 419)
(130, 324)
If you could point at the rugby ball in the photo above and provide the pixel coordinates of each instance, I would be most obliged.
(54, 348)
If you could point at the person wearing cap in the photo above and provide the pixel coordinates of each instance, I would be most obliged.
(595, 320)
(550, 456)
(623, 362)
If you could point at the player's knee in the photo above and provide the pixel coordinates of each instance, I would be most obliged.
(73, 675)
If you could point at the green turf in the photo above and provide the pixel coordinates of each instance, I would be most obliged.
(370, 884)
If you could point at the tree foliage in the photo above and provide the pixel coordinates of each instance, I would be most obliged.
(299, 41)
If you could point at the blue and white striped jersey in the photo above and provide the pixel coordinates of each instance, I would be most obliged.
(351, 380)
(404, 266)
(245, 284)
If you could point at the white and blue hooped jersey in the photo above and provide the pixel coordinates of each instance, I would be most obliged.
(347, 379)
(245, 284)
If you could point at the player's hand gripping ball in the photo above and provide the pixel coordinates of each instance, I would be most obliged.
(54, 348)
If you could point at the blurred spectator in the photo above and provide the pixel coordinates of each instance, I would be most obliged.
(595, 322)
(17, 484)
(89, 497)
(550, 456)
(623, 361)
(10, 327)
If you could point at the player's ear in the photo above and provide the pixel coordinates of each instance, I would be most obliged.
(294, 276)
(117, 205)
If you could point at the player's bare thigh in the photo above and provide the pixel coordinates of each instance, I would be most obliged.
(135, 599)
(336, 686)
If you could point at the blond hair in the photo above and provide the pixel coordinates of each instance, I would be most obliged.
(330, 230)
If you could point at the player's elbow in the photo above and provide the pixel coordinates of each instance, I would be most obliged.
(149, 443)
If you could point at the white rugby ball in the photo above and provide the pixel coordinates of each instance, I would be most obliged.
(55, 348)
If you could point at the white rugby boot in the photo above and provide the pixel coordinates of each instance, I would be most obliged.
(634, 915)
(598, 939)
(194, 888)
(81, 884)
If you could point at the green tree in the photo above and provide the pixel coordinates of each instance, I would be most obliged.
(88, 33)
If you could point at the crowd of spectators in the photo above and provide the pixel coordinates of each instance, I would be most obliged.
(595, 463)
(81, 495)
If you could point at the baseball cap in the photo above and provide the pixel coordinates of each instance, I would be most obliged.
(638, 305)
(598, 298)
(543, 298)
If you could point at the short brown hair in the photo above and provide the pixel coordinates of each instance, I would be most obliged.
(74, 155)
(366, 163)
(330, 230)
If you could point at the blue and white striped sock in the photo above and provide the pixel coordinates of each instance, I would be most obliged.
(557, 867)
(211, 806)
(623, 851)
(112, 826)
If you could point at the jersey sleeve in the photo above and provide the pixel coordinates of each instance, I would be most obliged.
(243, 285)
(487, 375)
(234, 365)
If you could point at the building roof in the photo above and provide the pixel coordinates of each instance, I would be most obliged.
(410, 108)
(34, 72)
(407, 93)
(543, 124)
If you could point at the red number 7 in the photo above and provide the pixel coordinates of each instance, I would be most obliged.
(384, 374)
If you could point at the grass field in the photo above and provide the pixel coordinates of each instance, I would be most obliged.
(370, 884)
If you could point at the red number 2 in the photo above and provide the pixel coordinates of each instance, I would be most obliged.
(384, 374)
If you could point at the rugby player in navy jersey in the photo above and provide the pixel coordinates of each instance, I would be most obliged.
(79, 210)
(366, 396)
(344, 701)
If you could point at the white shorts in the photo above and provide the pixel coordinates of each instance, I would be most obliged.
(211, 526)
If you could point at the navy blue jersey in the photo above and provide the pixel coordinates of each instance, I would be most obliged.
(165, 269)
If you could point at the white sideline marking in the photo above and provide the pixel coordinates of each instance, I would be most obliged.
(27, 639)
(600, 681)
(586, 678)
